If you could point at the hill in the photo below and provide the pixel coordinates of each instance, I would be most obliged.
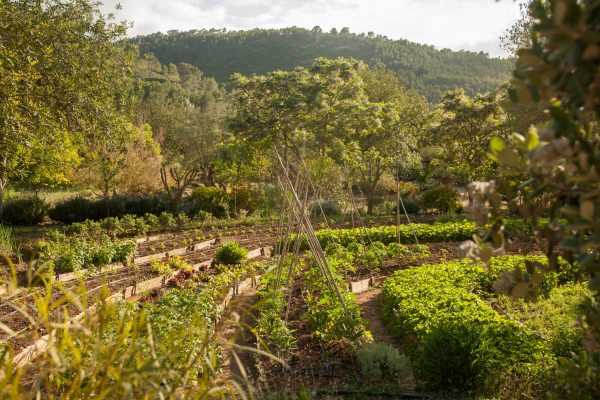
(219, 53)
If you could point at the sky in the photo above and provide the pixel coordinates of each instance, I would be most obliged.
(474, 25)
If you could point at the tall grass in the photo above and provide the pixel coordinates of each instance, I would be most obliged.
(113, 352)
(8, 245)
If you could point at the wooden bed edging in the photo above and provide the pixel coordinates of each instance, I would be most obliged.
(40, 346)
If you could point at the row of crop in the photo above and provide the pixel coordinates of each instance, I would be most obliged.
(427, 233)
(459, 341)
(59, 253)
(166, 336)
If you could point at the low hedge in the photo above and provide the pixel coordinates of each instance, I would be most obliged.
(79, 209)
(460, 343)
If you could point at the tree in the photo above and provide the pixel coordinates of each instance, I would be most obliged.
(518, 36)
(462, 134)
(185, 111)
(561, 161)
(63, 75)
(110, 164)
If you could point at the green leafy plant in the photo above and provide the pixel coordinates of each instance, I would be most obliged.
(381, 361)
(231, 254)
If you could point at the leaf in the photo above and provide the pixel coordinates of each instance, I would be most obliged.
(497, 144)
(532, 140)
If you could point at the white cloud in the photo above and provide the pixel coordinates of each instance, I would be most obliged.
(456, 24)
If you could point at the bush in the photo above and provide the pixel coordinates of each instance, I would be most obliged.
(411, 207)
(465, 343)
(166, 221)
(210, 199)
(330, 207)
(231, 254)
(442, 198)
(381, 361)
(25, 211)
(77, 209)
(68, 254)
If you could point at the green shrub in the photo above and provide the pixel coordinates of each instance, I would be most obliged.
(449, 361)
(80, 209)
(231, 254)
(209, 199)
(124, 251)
(151, 221)
(436, 305)
(182, 220)
(271, 328)
(327, 318)
(381, 361)
(77, 209)
(330, 207)
(68, 254)
(442, 198)
(26, 211)
(554, 317)
(166, 221)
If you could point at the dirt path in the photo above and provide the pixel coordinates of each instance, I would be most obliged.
(369, 303)
(235, 328)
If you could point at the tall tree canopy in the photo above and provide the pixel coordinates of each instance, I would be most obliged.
(65, 76)
(185, 110)
(328, 111)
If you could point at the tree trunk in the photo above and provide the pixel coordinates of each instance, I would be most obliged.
(370, 200)
(2, 185)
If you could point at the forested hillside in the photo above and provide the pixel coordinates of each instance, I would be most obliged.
(430, 71)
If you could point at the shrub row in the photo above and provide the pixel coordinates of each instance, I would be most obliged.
(427, 233)
(79, 209)
(463, 344)
(61, 254)
(131, 225)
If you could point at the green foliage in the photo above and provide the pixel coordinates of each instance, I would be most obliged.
(79, 209)
(210, 199)
(428, 233)
(558, 72)
(555, 317)
(161, 268)
(76, 209)
(62, 254)
(258, 51)
(578, 377)
(437, 306)
(270, 326)
(441, 198)
(231, 254)
(462, 134)
(381, 361)
(27, 211)
(327, 318)
(403, 253)
(8, 245)
(166, 221)
(56, 96)
(330, 207)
